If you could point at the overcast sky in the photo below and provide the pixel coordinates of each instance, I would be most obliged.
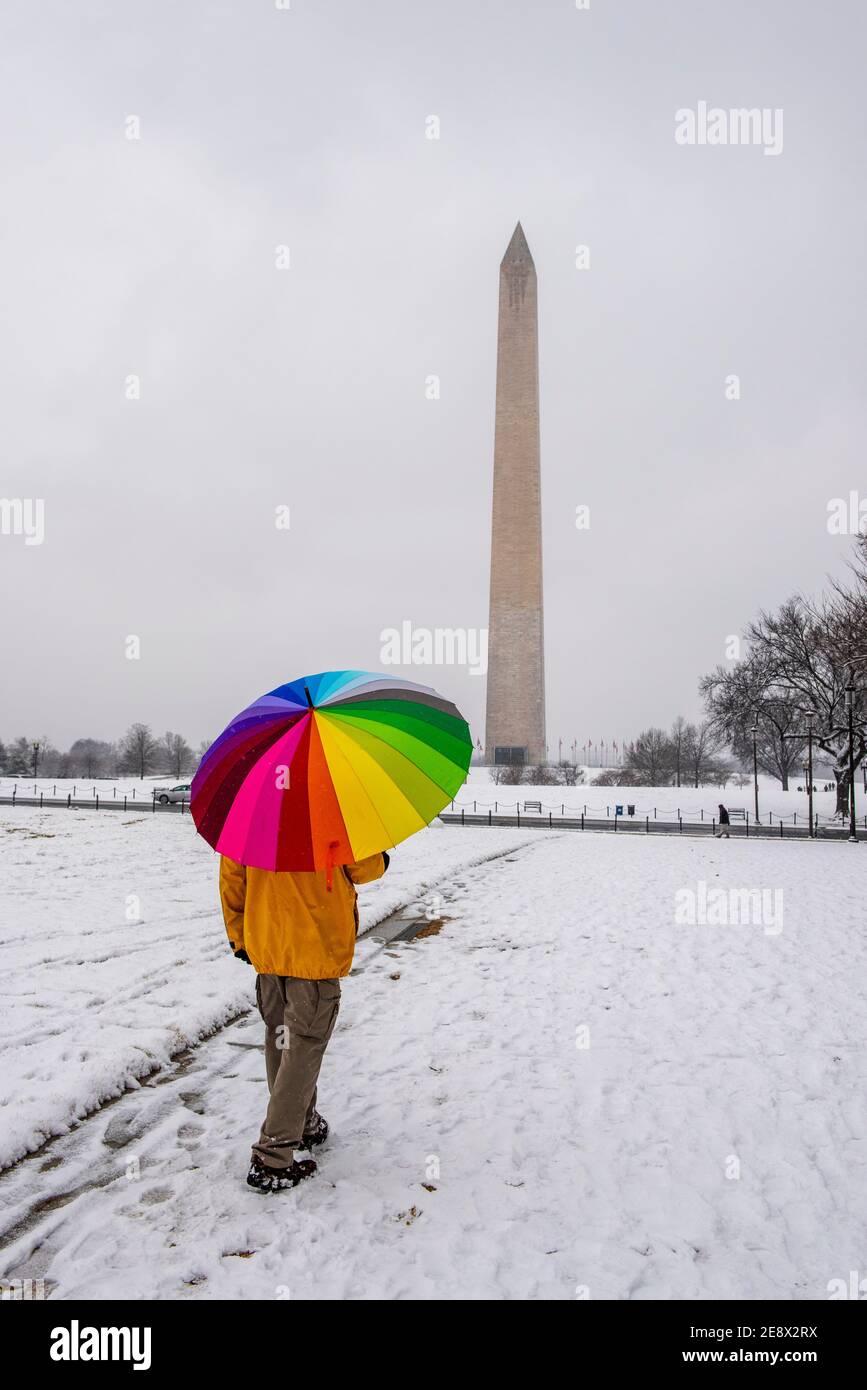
(304, 387)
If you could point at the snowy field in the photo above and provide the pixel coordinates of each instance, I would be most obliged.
(690, 802)
(569, 1091)
(114, 955)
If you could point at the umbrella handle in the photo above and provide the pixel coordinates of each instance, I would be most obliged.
(329, 863)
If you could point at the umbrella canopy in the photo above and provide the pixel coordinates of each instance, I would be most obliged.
(329, 769)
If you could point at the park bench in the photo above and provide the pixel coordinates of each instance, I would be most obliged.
(737, 813)
(533, 806)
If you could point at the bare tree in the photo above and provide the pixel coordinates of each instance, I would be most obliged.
(53, 763)
(648, 761)
(543, 775)
(18, 756)
(740, 697)
(177, 753)
(568, 775)
(88, 757)
(612, 777)
(802, 659)
(678, 740)
(701, 754)
(508, 774)
(138, 749)
(807, 650)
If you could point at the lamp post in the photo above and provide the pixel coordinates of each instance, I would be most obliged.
(756, 762)
(809, 715)
(850, 710)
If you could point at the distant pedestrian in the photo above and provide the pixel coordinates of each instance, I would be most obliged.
(723, 832)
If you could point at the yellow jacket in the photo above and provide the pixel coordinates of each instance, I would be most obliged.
(293, 923)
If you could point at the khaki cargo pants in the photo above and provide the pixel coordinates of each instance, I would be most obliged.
(299, 1019)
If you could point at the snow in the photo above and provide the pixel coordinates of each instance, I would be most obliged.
(115, 956)
(564, 1093)
(691, 802)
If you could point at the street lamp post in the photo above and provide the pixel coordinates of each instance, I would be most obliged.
(756, 763)
(810, 715)
(810, 767)
(850, 710)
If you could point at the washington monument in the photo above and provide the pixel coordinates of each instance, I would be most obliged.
(515, 722)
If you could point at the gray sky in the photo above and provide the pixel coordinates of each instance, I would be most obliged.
(306, 387)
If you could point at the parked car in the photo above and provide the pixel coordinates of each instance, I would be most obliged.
(179, 793)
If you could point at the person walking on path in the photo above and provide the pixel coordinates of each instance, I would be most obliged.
(723, 832)
(298, 931)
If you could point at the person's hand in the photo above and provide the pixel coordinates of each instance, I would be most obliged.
(242, 955)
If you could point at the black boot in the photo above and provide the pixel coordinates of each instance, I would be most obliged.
(265, 1179)
(317, 1135)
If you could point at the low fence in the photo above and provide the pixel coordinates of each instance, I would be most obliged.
(524, 815)
(123, 802)
(527, 811)
(563, 817)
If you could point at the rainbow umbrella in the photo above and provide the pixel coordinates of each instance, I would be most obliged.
(329, 769)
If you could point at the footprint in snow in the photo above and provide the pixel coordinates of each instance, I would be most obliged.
(155, 1195)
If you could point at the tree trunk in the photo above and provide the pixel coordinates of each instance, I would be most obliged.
(785, 781)
(842, 775)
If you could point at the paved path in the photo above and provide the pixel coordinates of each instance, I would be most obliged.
(530, 820)
(645, 825)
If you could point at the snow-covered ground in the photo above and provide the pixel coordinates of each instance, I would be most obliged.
(690, 802)
(570, 1090)
(479, 789)
(114, 955)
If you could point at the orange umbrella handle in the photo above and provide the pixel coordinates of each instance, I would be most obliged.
(329, 863)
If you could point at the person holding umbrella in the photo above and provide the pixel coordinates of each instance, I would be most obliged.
(298, 930)
(302, 796)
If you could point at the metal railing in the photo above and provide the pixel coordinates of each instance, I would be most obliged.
(560, 816)
(71, 801)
